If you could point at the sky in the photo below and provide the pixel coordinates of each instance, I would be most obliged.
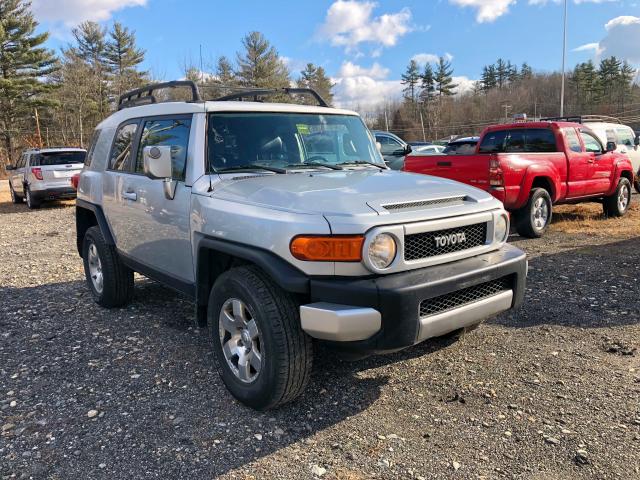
(363, 45)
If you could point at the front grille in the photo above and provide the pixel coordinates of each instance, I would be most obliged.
(424, 245)
(440, 202)
(449, 301)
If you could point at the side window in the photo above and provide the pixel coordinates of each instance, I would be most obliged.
(515, 142)
(172, 133)
(390, 145)
(540, 140)
(611, 135)
(591, 144)
(121, 150)
(573, 142)
(625, 137)
(493, 142)
(92, 147)
(20, 162)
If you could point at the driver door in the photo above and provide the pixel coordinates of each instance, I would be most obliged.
(600, 165)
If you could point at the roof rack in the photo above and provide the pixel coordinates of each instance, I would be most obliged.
(264, 92)
(582, 119)
(144, 95)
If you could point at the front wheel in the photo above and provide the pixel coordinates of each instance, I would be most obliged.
(15, 198)
(616, 205)
(533, 219)
(32, 203)
(263, 356)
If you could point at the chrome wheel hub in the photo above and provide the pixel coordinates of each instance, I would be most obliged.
(240, 340)
(623, 198)
(95, 268)
(540, 214)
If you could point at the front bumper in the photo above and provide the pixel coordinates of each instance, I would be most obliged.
(387, 313)
(57, 193)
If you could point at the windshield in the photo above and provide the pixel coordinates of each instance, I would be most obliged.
(58, 158)
(288, 140)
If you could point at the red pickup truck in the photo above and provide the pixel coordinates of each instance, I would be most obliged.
(532, 166)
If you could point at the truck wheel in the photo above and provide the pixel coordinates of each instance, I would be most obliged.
(616, 205)
(532, 220)
(15, 198)
(264, 357)
(636, 185)
(32, 203)
(110, 281)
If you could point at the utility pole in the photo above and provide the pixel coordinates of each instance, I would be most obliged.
(386, 120)
(506, 107)
(201, 67)
(38, 127)
(564, 53)
(424, 136)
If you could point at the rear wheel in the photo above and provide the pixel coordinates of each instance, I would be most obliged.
(263, 356)
(110, 281)
(534, 218)
(15, 198)
(636, 185)
(32, 203)
(616, 205)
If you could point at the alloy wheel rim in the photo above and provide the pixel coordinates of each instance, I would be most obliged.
(241, 340)
(540, 214)
(95, 268)
(623, 198)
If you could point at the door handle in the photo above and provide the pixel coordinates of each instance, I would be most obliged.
(130, 195)
(444, 164)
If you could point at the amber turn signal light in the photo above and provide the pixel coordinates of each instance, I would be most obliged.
(336, 248)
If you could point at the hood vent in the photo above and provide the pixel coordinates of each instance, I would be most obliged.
(247, 177)
(420, 204)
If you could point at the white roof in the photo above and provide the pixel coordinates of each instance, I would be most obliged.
(177, 108)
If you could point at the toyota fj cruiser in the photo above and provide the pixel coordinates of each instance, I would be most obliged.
(284, 225)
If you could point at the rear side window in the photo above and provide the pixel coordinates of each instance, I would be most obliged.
(173, 133)
(45, 159)
(573, 142)
(519, 140)
(625, 137)
(121, 150)
(92, 147)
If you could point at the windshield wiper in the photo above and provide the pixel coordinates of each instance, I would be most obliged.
(364, 162)
(252, 166)
(316, 164)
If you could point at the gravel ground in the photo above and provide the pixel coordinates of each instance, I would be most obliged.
(549, 391)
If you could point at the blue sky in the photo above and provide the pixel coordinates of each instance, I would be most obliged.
(363, 45)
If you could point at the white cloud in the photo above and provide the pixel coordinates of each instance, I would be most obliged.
(376, 71)
(424, 58)
(465, 84)
(72, 12)
(589, 47)
(350, 23)
(487, 10)
(622, 40)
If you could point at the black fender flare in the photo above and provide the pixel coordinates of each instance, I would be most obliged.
(100, 219)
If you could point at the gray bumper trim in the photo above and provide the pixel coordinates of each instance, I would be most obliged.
(340, 323)
(465, 316)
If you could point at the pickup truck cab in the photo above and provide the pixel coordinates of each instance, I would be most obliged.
(286, 228)
(532, 166)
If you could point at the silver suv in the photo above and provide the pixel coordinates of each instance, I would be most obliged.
(45, 174)
(283, 225)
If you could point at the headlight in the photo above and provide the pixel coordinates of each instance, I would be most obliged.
(501, 229)
(382, 250)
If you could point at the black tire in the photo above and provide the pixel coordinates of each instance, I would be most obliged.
(636, 185)
(615, 205)
(528, 221)
(15, 198)
(32, 203)
(117, 279)
(285, 350)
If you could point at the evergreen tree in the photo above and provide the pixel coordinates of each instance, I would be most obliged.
(608, 73)
(123, 57)
(259, 64)
(443, 78)
(410, 78)
(526, 72)
(316, 78)
(512, 72)
(224, 72)
(502, 73)
(23, 63)
(428, 84)
(489, 79)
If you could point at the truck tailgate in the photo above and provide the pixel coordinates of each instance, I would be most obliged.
(469, 169)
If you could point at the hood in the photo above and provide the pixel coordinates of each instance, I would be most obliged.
(361, 192)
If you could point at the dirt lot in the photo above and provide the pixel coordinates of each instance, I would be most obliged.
(550, 391)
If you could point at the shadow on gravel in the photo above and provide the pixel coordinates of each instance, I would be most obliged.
(9, 207)
(590, 287)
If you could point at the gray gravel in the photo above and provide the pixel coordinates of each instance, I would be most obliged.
(551, 391)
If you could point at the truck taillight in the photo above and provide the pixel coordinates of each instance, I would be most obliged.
(495, 173)
(37, 172)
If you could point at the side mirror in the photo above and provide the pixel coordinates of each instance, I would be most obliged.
(9, 167)
(157, 162)
(408, 149)
(157, 166)
(611, 146)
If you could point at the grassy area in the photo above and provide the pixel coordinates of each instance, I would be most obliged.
(588, 218)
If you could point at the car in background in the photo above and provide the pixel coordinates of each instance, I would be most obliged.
(427, 149)
(610, 129)
(461, 146)
(392, 148)
(45, 174)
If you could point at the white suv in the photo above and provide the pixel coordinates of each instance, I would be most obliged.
(284, 225)
(45, 174)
